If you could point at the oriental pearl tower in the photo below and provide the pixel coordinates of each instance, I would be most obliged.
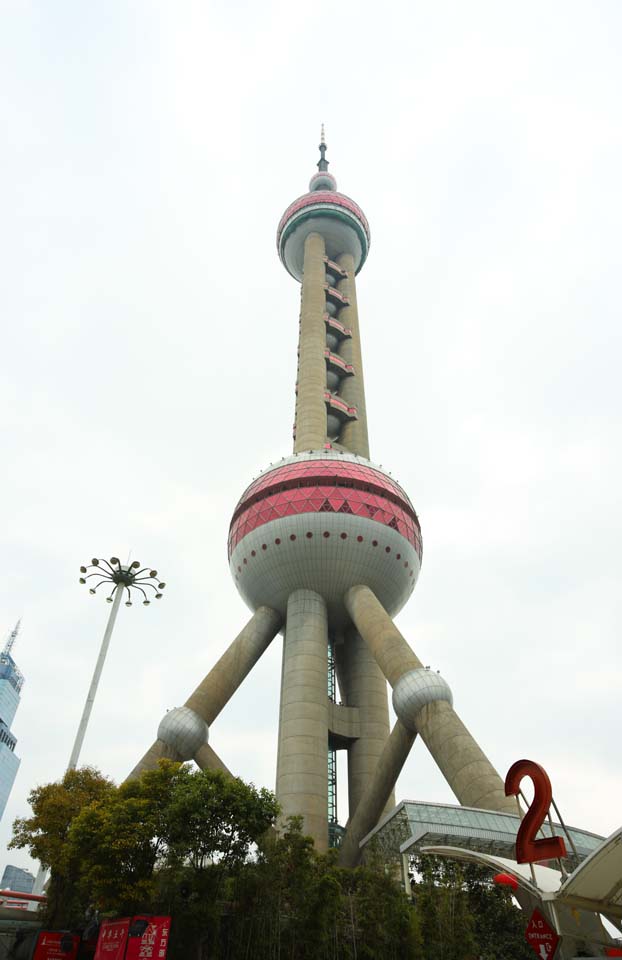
(325, 547)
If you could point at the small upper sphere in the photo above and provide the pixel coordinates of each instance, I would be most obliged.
(322, 180)
(339, 220)
(324, 521)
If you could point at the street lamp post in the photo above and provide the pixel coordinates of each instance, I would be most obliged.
(123, 578)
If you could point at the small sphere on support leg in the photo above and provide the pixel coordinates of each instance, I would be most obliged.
(184, 731)
(414, 690)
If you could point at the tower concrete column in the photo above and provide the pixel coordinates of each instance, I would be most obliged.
(467, 770)
(377, 790)
(354, 433)
(302, 766)
(310, 403)
(362, 684)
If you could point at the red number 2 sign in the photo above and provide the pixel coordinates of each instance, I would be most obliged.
(528, 849)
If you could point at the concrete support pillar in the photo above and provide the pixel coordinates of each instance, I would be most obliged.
(208, 759)
(376, 793)
(467, 770)
(469, 773)
(235, 664)
(310, 403)
(149, 761)
(302, 766)
(221, 682)
(354, 434)
(362, 684)
(386, 643)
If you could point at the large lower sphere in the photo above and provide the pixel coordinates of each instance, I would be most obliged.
(324, 521)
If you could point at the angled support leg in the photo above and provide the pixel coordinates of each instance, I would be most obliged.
(377, 792)
(423, 702)
(207, 759)
(183, 732)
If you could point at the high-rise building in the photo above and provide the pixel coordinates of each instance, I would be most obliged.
(17, 879)
(325, 547)
(11, 683)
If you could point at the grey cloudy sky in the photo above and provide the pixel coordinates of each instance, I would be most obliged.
(149, 149)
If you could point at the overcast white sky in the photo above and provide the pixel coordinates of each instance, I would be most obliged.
(149, 351)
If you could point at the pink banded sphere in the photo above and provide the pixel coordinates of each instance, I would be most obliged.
(324, 521)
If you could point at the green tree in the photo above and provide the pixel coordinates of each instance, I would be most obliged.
(447, 924)
(464, 915)
(499, 924)
(45, 835)
(387, 926)
(173, 838)
(296, 904)
(213, 819)
(119, 840)
(213, 824)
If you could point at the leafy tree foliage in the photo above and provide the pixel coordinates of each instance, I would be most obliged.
(201, 847)
(120, 841)
(45, 835)
(464, 915)
(112, 850)
(296, 904)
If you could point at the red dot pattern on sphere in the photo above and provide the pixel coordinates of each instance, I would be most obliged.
(325, 486)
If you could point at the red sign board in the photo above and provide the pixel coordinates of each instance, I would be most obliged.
(541, 937)
(112, 940)
(49, 946)
(154, 942)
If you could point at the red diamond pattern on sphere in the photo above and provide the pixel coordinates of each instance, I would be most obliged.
(325, 486)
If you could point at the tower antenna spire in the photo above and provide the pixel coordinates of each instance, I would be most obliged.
(12, 637)
(322, 163)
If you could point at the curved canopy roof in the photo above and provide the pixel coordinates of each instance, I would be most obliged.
(599, 878)
(415, 824)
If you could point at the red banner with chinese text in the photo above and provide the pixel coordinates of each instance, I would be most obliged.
(154, 942)
(112, 940)
(49, 946)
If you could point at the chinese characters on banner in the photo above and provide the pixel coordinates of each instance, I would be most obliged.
(49, 946)
(541, 937)
(112, 940)
(154, 942)
(115, 943)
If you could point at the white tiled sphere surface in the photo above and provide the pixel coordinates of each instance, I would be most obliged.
(327, 565)
(183, 730)
(414, 690)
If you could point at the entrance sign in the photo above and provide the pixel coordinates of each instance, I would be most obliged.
(51, 946)
(112, 940)
(541, 937)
